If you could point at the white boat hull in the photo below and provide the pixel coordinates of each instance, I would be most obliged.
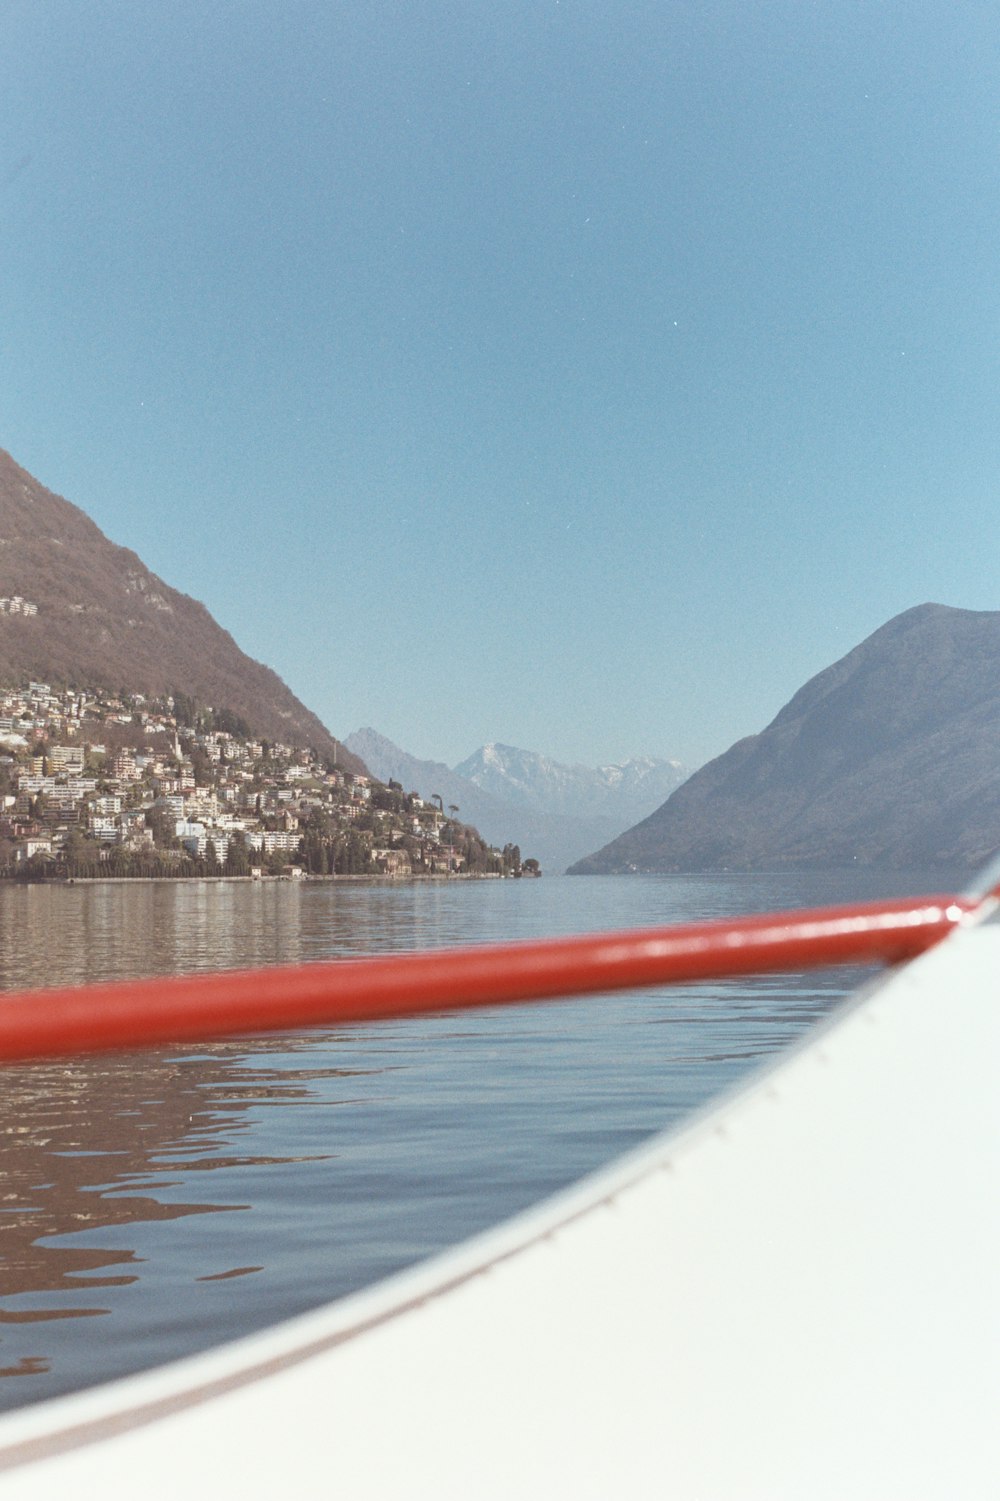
(794, 1296)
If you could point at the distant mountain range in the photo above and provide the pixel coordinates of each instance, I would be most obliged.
(554, 812)
(533, 781)
(891, 757)
(77, 609)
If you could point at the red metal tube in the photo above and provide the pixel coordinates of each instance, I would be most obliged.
(130, 1014)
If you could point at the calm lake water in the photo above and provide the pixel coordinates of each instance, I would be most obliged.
(156, 1203)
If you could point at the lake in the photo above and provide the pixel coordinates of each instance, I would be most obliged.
(158, 1202)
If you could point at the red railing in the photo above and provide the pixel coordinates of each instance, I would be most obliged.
(130, 1014)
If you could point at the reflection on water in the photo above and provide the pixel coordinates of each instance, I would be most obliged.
(178, 1197)
(73, 1131)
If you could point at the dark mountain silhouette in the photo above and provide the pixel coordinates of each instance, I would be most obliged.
(891, 758)
(103, 620)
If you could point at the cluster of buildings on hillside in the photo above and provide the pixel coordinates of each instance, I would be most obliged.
(14, 605)
(102, 784)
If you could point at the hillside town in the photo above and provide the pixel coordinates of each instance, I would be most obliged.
(97, 785)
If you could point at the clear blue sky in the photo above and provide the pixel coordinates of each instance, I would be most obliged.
(579, 374)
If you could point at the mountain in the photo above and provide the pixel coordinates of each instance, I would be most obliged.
(888, 758)
(516, 814)
(623, 793)
(387, 762)
(77, 609)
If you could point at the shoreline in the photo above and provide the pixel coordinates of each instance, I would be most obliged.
(257, 880)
